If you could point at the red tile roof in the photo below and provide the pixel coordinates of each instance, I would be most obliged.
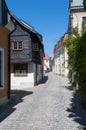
(46, 57)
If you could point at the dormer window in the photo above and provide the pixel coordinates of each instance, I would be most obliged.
(17, 45)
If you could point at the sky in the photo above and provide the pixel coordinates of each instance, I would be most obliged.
(48, 17)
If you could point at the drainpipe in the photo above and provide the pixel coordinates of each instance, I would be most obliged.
(9, 67)
(9, 63)
(36, 73)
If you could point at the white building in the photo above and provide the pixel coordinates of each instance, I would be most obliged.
(47, 63)
(60, 66)
(26, 54)
(77, 16)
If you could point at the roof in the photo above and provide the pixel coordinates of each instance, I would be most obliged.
(60, 43)
(46, 57)
(26, 26)
(22, 22)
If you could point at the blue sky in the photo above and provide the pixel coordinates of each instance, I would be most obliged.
(48, 17)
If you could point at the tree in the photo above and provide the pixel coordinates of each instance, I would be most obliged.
(84, 4)
(76, 47)
(71, 44)
(80, 63)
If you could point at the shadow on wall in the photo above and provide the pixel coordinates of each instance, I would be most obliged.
(77, 113)
(16, 98)
(45, 79)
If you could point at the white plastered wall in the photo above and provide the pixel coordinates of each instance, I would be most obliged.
(77, 20)
(21, 82)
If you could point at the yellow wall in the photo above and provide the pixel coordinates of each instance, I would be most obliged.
(4, 44)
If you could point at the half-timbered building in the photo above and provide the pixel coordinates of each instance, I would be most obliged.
(27, 53)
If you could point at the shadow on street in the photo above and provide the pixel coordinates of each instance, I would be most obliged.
(16, 98)
(77, 113)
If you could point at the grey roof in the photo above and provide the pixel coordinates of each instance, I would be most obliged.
(26, 25)
(22, 22)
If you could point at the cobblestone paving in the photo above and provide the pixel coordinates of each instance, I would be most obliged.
(49, 106)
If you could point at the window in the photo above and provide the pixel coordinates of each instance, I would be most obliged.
(18, 45)
(20, 69)
(1, 67)
(35, 47)
(84, 24)
(46, 61)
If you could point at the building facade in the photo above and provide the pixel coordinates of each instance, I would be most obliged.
(4, 65)
(27, 53)
(60, 57)
(4, 54)
(77, 16)
(47, 63)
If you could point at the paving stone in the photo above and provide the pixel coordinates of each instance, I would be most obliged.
(49, 106)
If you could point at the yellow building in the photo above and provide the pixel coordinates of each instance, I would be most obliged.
(4, 65)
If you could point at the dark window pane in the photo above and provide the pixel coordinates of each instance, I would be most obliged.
(35, 47)
(20, 45)
(84, 24)
(15, 45)
(20, 69)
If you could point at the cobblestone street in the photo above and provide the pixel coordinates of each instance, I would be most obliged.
(52, 105)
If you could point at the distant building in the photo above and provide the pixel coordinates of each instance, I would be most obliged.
(60, 57)
(47, 63)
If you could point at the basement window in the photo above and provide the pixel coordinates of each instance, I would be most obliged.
(20, 69)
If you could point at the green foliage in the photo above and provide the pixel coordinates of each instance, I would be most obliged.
(76, 47)
(83, 103)
(84, 4)
(71, 44)
(80, 63)
(70, 76)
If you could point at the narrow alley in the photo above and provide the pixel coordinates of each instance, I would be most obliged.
(52, 105)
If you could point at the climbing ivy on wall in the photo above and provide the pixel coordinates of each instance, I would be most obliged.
(80, 63)
(76, 47)
(84, 4)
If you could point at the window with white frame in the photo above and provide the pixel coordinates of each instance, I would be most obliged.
(20, 69)
(1, 67)
(17, 45)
